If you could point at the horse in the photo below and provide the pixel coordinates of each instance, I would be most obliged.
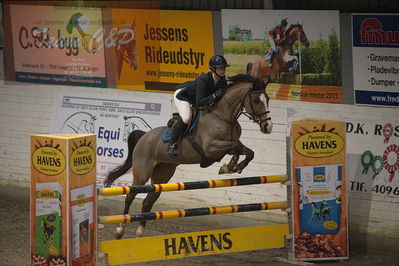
(79, 123)
(134, 123)
(125, 42)
(283, 61)
(217, 134)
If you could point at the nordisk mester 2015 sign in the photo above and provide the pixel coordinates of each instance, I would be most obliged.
(169, 47)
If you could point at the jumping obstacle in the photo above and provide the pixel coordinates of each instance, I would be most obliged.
(125, 218)
(196, 243)
(192, 185)
(203, 243)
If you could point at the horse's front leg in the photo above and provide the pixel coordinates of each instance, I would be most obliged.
(249, 155)
(232, 166)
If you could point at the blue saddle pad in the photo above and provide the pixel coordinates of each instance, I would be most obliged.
(166, 134)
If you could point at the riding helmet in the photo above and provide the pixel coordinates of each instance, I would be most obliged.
(284, 22)
(218, 61)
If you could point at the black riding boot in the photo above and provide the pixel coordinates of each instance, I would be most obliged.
(271, 59)
(177, 129)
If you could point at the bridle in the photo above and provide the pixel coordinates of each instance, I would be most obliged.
(256, 118)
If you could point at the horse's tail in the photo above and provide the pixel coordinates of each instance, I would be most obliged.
(127, 164)
(249, 68)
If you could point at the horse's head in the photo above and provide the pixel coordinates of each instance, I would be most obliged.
(256, 104)
(296, 33)
(127, 42)
(132, 51)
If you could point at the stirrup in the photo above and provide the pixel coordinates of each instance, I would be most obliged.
(172, 149)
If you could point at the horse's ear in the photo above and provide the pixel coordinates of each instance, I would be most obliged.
(134, 23)
(258, 85)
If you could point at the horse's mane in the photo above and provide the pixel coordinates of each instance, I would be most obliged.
(82, 112)
(257, 84)
(240, 78)
(287, 31)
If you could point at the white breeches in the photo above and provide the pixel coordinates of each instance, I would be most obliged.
(183, 107)
(272, 43)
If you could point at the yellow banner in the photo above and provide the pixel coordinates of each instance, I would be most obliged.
(158, 49)
(194, 244)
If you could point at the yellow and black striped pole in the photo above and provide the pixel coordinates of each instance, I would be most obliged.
(125, 218)
(192, 185)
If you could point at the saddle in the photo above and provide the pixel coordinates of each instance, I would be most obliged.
(269, 53)
(166, 135)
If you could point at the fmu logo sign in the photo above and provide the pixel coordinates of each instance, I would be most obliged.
(375, 30)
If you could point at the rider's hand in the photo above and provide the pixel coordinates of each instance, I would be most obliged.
(218, 94)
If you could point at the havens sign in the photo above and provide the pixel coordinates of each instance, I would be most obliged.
(319, 144)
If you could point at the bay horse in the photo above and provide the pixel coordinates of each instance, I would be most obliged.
(126, 47)
(284, 60)
(217, 134)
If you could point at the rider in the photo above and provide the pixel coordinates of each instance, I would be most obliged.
(206, 89)
(275, 36)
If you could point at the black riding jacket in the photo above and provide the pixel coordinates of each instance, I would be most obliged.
(199, 92)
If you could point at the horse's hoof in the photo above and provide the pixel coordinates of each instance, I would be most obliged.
(224, 169)
(119, 233)
(140, 231)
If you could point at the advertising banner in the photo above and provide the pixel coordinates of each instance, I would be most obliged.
(319, 201)
(302, 60)
(55, 45)
(375, 54)
(63, 200)
(168, 48)
(112, 120)
(373, 169)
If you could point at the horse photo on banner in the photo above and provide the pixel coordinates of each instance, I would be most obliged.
(299, 51)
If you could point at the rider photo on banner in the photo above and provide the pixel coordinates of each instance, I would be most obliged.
(55, 45)
(375, 52)
(111, 119)
(167, 48)
(299, 51)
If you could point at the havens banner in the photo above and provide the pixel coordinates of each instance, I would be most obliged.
(169, 47)
(54, 45)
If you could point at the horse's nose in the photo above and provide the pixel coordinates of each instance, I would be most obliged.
(266, 126)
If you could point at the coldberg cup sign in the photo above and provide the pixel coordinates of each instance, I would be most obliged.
(319, 189)
(55, 45)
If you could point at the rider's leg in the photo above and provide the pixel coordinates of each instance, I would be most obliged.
(184, 109)
(273, 46)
